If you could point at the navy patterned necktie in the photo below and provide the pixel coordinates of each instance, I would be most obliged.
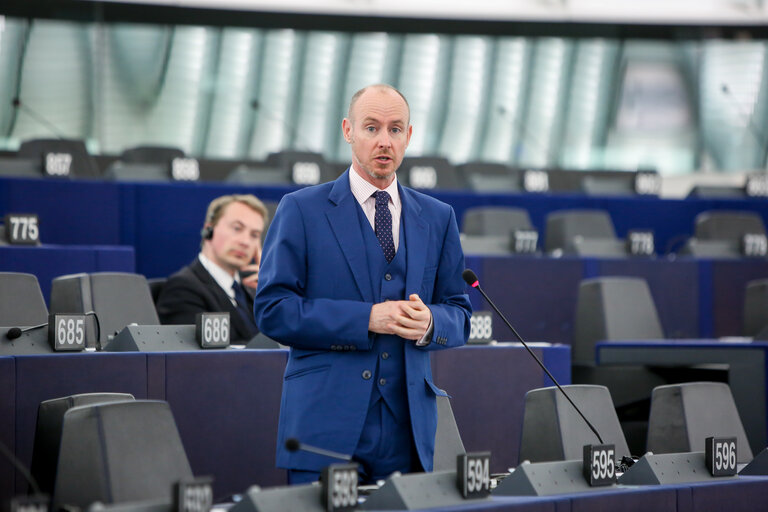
(242, 305)
(383, 224)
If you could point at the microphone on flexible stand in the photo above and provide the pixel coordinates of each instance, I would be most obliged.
(17, 104)
(293, 445)
(759, 136)
(293, 132)
(16, 332)
(471, 279)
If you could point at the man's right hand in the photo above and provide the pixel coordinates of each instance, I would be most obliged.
(408, 319)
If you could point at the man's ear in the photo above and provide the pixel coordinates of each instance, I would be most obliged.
(346, 130)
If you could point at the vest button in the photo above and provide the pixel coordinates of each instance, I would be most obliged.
(388, 277)
(382, 381)
(385, 355)
(366, 374)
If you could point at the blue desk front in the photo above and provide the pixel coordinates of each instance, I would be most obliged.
(745, 363)
(226, 403)
(162, 221)
(49, 261)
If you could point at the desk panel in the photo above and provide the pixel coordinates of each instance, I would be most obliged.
(674, 287)
(165, 220)
(70, 211)
(226, 405)
(487, 385)
(729, 284)
(536, 294)
(49, 261)
(7, 425)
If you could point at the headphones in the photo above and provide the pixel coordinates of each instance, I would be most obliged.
(207, 232)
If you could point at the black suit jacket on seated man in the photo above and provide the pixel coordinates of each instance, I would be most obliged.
(193, 290)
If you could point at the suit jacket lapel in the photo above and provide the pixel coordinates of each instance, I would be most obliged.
(344, 223)
(416, 239)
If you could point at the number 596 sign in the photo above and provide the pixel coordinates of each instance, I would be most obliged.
(720, 455)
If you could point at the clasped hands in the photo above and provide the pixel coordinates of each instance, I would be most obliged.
(408, 319)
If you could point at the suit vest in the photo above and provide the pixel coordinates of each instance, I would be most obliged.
(387, 283)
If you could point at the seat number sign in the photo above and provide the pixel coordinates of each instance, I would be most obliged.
(473, 474)
(66, 332)
(339, 483)
(212, 330)
(720, 455)
(194, 495)
(22, 228)
(481, 327)
(600, 464)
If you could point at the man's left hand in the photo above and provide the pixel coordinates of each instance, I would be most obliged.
(414, 321)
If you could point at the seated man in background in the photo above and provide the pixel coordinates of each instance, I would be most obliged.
(230, 248)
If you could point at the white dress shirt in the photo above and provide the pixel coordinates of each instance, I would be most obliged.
(221, 276)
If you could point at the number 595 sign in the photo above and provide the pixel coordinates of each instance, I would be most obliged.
(599, 464)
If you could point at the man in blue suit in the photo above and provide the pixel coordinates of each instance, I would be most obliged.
(361, 277)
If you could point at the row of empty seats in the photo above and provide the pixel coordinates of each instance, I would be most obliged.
(681, 417)
(607, 308)
(507, 230)
(111, 448)
(70, 158)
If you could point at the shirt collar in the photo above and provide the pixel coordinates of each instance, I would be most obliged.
(218, 274)
(362, 189)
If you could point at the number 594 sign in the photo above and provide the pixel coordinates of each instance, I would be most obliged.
(599, 464)
(473, 474)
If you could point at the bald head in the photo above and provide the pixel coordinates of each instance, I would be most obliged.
(381, 88)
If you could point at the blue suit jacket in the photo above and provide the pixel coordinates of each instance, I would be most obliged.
(315, 296)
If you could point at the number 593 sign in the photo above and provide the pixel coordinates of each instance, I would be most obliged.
(600, 464)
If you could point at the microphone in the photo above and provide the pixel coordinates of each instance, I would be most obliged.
(16, 332)
(17, 104)
(471, 279)
(293, 132)
(753, 129)
(293, 445)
